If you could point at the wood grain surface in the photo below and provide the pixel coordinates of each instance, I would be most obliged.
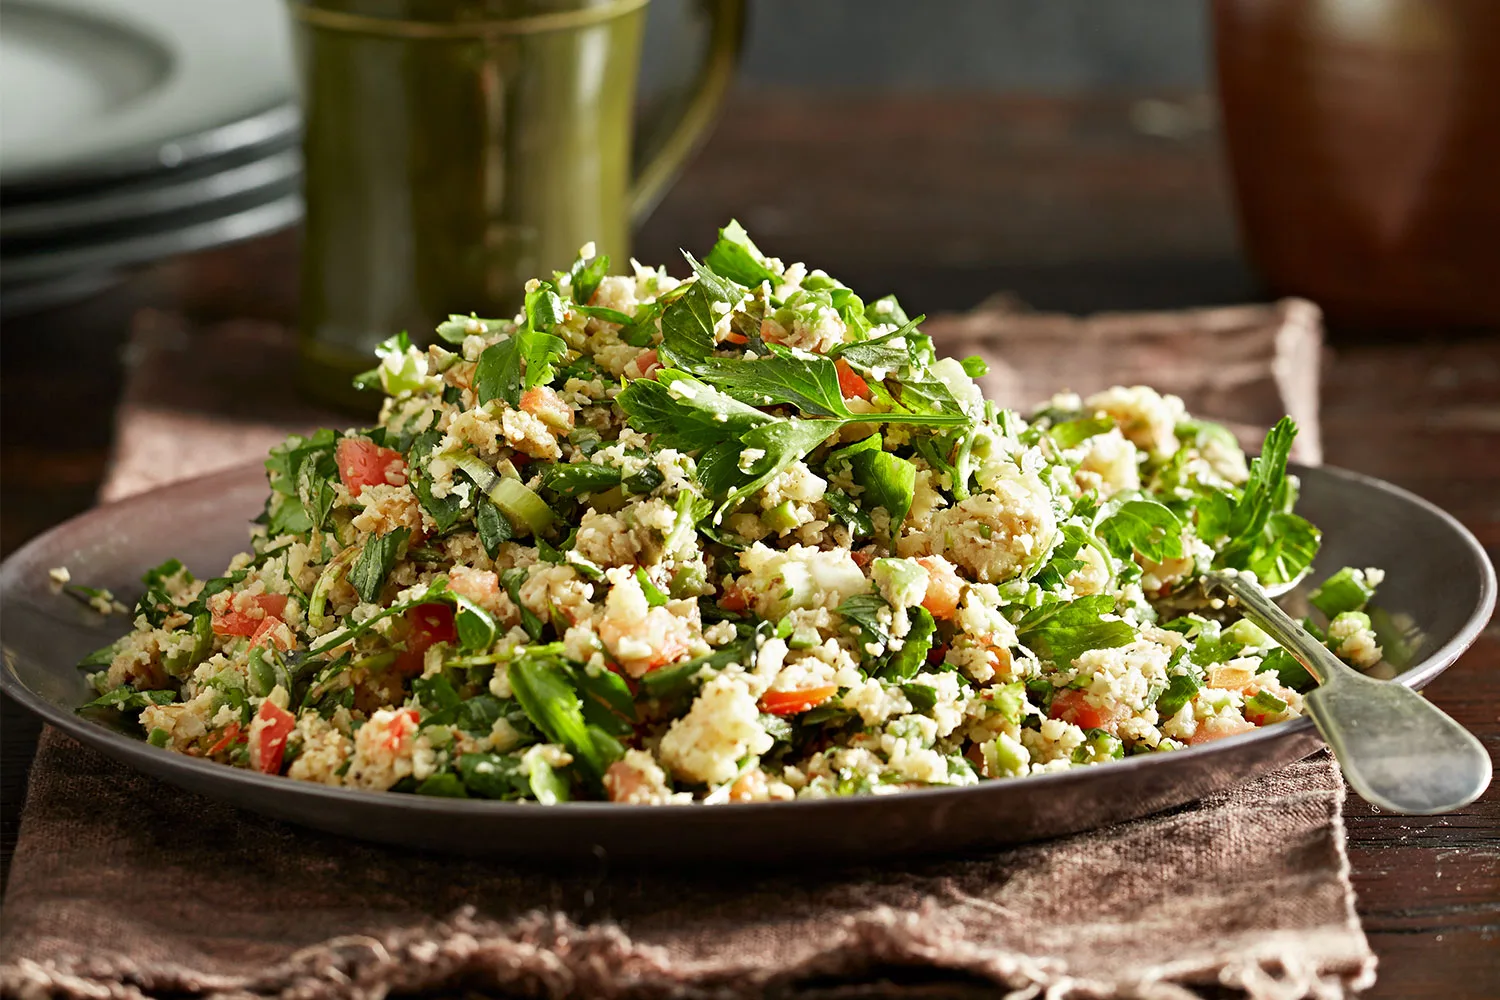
(1071, 204)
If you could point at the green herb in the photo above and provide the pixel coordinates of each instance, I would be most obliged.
(689, 324)
(737, 258)
(127, 699)
(654, 597)
(580, 478)
(1180, 690)
(975, 366)
(1344, 591)
(444, 784)
(1143, 526)
(476, 629)
(686, 413)
(494, 776)
(375, 562)
(553, 706)
(922, 696)
(906, 662)
(585, 275)
(1289, 670)
(447, 510)
(513, 579)
(1072, 433)
(494, 528)
(1063, 631)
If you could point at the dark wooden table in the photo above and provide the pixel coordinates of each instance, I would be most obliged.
(1068, 204)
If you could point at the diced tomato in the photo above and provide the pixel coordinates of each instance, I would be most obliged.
(430, 625)
(850, 382)
(943, 587)
(792, 702)
(268, 632)
(1071, 705)
(734, 599)
(736, 338)
(401, 727)
(272, 725)
(230, 736)
(363, 463)
(239, 623)
(938, 653)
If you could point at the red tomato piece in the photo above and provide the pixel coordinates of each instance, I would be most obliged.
(850, 382)
(1070, 705)
(736, 338)
(430, 625)
(267, 632)
(401, 727)
(363, 463)
(240, 623)
(792, 702)
(268, 733)
(231, 735)
(734, 599)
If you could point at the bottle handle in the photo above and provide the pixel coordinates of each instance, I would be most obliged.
(659, 167)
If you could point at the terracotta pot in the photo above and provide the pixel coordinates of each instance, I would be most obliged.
(1364, 140)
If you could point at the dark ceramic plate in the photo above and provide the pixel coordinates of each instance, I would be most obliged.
(1437, 574)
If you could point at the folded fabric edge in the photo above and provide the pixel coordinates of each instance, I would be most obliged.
(549, 955)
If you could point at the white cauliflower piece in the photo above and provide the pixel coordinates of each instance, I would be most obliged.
(722, 727)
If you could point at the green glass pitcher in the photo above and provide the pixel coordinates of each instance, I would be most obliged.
(456, 148)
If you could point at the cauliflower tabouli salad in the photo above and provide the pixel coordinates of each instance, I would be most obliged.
(739, 537)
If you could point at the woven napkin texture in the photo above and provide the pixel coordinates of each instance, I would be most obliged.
(122, 886)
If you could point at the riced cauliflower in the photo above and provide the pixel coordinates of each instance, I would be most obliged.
(742, 537)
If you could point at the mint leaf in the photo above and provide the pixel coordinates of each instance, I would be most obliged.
(375, 562)
(737, 258)
(888, 480)
(890, 353)
(1180, 690)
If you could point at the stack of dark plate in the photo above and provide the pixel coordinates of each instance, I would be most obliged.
(135, 130)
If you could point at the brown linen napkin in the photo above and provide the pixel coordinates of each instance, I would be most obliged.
(122, 886)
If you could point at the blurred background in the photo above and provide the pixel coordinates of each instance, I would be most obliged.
(317, 173)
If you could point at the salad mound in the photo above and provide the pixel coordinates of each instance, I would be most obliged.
(738, 537)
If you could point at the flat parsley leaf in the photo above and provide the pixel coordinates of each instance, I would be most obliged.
(686, 413)
(375, 562)
(1143, 526)
(1063, 631)
(689, 323)
(737, 258)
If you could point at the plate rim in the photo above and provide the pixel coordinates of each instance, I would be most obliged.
(161, 760)
(148, 140)
(75, 218)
